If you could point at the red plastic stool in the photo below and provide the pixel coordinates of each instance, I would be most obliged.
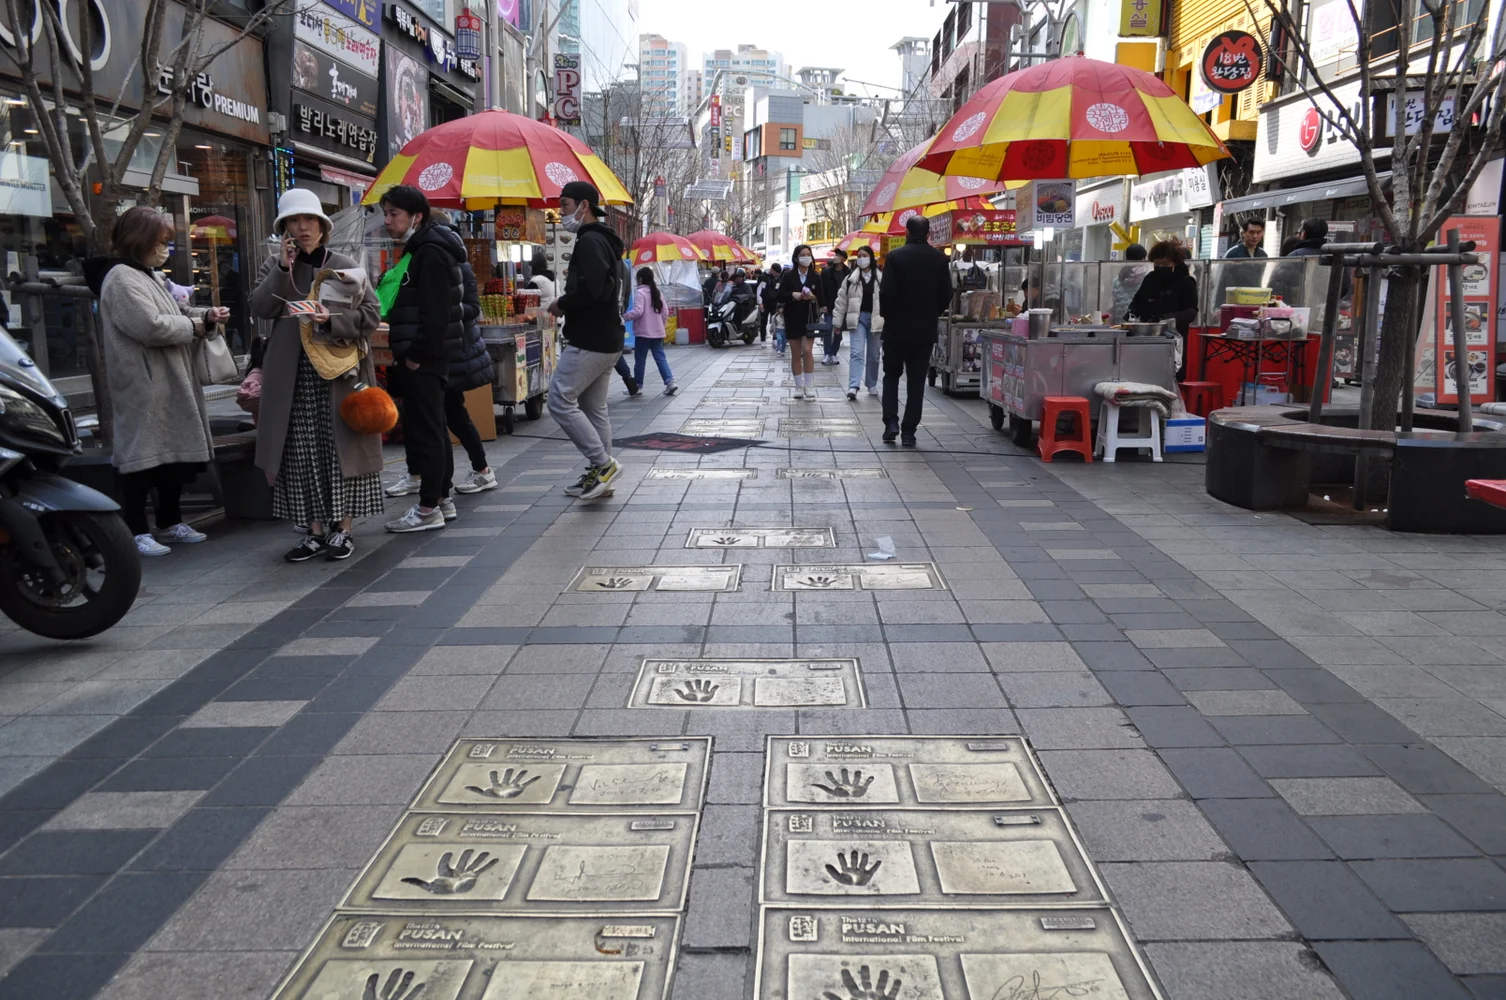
(1202, 398)
(1077, 437)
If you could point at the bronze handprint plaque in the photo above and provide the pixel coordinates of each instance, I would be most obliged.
(748, 683)
(570, 776)
(859, 576)
(760, 538)
(529, 864)
(637, 579)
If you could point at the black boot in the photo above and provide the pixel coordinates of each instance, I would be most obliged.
(891, 431)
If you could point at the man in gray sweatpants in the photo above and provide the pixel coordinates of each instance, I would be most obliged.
(592, 310)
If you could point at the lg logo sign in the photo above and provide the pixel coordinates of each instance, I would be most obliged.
(99, 30)
(1310, 131)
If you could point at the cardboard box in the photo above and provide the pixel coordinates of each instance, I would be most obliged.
(1185, 434)
(478, 403)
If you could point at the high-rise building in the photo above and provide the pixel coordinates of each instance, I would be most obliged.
(747, 66)
(662, 70)
(604, 33)
(694, 90)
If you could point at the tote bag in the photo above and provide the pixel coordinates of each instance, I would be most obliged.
(213, 362)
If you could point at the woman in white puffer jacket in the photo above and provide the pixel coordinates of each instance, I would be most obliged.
(857, 306)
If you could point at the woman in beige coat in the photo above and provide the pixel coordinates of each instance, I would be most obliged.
(162, 436)
(323, 473)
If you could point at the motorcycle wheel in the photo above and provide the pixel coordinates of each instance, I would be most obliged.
(103, 569)
(715, 339)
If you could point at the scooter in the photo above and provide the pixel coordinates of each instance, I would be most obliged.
(730, 319)
(68, 564)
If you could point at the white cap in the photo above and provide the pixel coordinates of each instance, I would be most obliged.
(299, 201)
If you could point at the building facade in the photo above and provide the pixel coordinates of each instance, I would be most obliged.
(663, 69)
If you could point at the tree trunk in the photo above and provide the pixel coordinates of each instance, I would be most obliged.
(1400, 317)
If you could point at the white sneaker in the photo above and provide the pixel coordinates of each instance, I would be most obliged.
(810, 392)
(447, 509)
(873, 390)
(408, 484)
(149, 546)
(478, 481)
(799, 392)
(414, 520)
(181, 532)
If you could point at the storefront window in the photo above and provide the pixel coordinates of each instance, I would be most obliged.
(220, 252)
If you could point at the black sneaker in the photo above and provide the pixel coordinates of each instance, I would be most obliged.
(908, 440)
(338, 546)
(307, 548)
(634, 389)
(891, 431)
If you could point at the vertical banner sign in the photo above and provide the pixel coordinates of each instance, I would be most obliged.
(566, 89)
(467, 35)
(1139, 18)
(1481, 295)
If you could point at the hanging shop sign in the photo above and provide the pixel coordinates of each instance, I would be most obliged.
(325, 126)
(467, 35)
(1139, 18)
(567, 88)
(1232, 62)
(1048, 203)
(985, 226)
(339, 37)
(407, 87)
(1413, 112)
(367, 12)
(437, 46)
(316, 73)
(1438, 362)
(24, 186)
(716, 111)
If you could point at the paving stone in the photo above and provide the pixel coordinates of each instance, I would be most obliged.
(1146, 830)
(1011, 657)
(435, 694)
(170, 975)
(1053, 690)
(303, 837)
(31, 901)
(1264, 830)
(16, 943)
(736, 778)
(243, 713)
(1468, 943)
(729, 835)
(1245, 703)
(1481, 818)
(962, 721)
(124, 810)
(258, 910)
(1173, 726)
(363, 780)
(1345, 796)
(1172, 638)
(1112, 656)
(706, 974)
(261, 781)
(720, 914)
(1219, 679)
(1240, 970)
(125, 913)
(1108, 774)
(1389, 970)
(1435, 886)
(950, 691)
(1193, 901)
(1140, 687)
(1419, 836)
(1272, 729)
(74, 852)
(1326, 901)
(1215, 773)
(1079, 729)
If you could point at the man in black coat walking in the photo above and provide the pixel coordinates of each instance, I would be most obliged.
(915, 291)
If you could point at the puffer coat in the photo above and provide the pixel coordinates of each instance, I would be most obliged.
(427, 321)
(471, 366)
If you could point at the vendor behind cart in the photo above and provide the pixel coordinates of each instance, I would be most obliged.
(1169, 291)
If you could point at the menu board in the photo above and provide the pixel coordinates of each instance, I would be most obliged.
(1481, 293)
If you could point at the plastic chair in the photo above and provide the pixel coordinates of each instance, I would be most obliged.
(1202, 398)
(1110, 440)
(1075, 439)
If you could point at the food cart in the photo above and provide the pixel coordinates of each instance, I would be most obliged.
(1020, 371)
(519, 334)
(978, 295)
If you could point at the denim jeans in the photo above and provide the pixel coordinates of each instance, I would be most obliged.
(641, 349)
(578, 400)
(863, 357)
(831, 343)
(779, 338)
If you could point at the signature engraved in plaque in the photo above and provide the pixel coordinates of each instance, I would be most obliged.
(697, 691)
(1000, 782)
(454, 879)
(1004, 868)
(864, 987)
(630, 784)
(1047, 976)
(849, 786)
(511, 784)
(567, 980)
(399, 986)
(852, 869)
(601, 873)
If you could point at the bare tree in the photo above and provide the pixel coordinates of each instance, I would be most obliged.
(746, 207)
(642, 144)
(848, 166)
(1451, 64)
(169, 72)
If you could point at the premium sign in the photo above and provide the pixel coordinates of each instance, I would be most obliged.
(316, 73)
(567, 79)
(1232, 62)
(339, 37)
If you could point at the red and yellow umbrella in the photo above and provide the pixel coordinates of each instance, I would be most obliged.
(496, 158)
(893, 223)
(720, 248)
(904, 185)
(657, 247)
(1072, 117)
(213, 227)
(849, 244)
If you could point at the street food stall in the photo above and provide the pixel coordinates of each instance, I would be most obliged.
(519, 335)
(978, 293)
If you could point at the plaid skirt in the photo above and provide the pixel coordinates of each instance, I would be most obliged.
(309, 485)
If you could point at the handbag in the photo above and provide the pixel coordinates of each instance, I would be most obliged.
(330, 358)
(213, 362)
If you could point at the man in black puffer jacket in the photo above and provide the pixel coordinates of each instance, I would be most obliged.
(427, 323)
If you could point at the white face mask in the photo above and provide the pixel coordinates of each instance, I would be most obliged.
(573, 223)
(863, 263)
(805, 261)
(157, 257)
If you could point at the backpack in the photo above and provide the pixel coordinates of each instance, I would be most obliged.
(975, 278)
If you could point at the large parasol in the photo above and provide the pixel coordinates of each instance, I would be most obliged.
(657, 247)
(1072, 117)
(904, 185)
(496, 158)
(849, 244)
(720, 248)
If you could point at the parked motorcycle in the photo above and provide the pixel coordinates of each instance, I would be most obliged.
(731, 318)
(68, 564)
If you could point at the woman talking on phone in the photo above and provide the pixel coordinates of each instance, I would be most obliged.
(800, 295)
(323, 473)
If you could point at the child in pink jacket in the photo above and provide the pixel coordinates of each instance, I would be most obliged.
(647, 313)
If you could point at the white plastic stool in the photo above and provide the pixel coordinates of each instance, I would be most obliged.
(1110, 440)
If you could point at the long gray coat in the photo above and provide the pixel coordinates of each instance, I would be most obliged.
(360, 454)
(160, 417)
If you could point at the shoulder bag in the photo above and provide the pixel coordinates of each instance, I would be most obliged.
(213, 362)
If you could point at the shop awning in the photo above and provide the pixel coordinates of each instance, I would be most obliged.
(1349, 187)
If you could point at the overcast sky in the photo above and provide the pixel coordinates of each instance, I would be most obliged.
(854, 36)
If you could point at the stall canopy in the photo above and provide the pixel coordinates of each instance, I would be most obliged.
(1072, 117)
